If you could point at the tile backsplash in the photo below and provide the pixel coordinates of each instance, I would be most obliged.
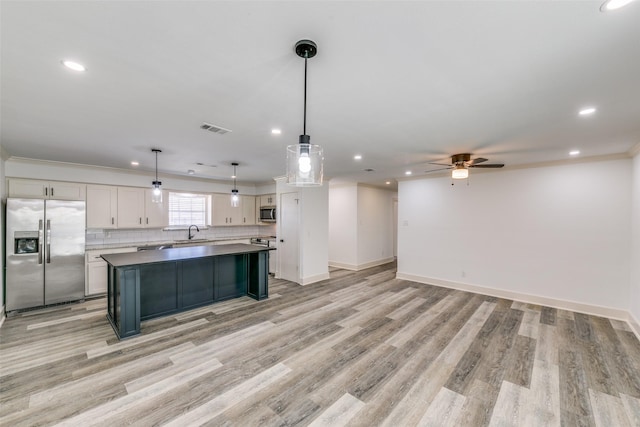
(109, 237)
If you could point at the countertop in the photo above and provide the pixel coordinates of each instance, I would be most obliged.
(170, 242)
(179, 254)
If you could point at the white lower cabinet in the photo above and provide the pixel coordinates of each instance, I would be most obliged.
(96, 267)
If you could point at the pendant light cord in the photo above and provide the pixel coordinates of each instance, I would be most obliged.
(304, 125)
(156, 166)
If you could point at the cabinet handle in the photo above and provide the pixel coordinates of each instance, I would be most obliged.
(46, 191)
(140, 220)
(112, 221)
(147, 220)
(51, 191)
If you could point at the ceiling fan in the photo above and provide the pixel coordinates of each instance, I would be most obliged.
(460, 164)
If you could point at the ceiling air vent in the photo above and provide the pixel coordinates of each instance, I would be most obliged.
(215, 129)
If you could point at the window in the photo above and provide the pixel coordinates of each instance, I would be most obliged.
(186, 209)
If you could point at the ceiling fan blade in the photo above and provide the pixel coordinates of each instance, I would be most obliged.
(440, 164)
(437, 170)
(493, 165)
(476, 161)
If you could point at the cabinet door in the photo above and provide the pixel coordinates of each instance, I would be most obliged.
(96, 278)
(248, 210)
(156, 214)
(130, 207)
(221, 206)
(67, 191)
(235, 214)
(27, 188)
(102, 206)
(268, 200)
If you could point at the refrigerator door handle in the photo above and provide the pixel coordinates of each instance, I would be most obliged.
(40, 241)
(48, 241)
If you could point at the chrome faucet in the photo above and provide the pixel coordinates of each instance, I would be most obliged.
(191, 235)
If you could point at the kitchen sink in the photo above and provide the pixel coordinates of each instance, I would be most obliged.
(154, 247)
(192, 242)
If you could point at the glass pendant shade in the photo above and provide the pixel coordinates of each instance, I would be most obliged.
(460, 173)
(235, 198)
(304, 165)
(156, 194)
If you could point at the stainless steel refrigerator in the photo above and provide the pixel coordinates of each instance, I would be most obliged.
(45, 252)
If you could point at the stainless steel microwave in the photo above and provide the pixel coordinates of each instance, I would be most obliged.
(268, 214)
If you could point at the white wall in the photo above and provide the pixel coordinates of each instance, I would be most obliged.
(2, 229)
(557, 232)
(313, 230)
(343, 225)
(314, 233)
(635, 254)
(375, 225)
(361, 226)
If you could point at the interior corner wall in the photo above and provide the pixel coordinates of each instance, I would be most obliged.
(375, 225)
(558, 232)
(635, 251)
(343, 226)
(314, 233)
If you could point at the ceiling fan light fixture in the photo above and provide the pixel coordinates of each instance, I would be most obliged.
(305, 160)
(156, 194)
(460, 172)
(613, 5)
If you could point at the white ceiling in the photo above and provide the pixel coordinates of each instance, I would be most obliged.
(401, 83)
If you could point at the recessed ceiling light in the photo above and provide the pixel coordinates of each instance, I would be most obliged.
(574, 152)
(134, 163)
(357, 157)
(587, 111)
(191, 172)
(276, 131)
(613, 5)
(73, 65)
(407, 173)
(388, 182)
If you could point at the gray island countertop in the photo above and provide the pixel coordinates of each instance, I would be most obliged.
(178, 254)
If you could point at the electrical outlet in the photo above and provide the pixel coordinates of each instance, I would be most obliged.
(405, 223)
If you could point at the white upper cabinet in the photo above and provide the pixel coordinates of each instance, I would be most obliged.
(156, 214)
(124, 207)
(32, 188)
(248, 204)
(225, 214)
(267, 200)
(130, 207)
(102, 206)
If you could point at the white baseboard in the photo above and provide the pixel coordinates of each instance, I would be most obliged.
(313, 279)
(612, 313)
(358, 267)
(634, 324)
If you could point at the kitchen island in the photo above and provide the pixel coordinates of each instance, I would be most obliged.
(148, 284)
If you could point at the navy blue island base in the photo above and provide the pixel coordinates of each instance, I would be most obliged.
(149, 284)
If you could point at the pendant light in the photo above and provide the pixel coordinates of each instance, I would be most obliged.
(156, 195)
(235, 198)
(304, 160)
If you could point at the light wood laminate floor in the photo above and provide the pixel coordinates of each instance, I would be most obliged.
(360, 349)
